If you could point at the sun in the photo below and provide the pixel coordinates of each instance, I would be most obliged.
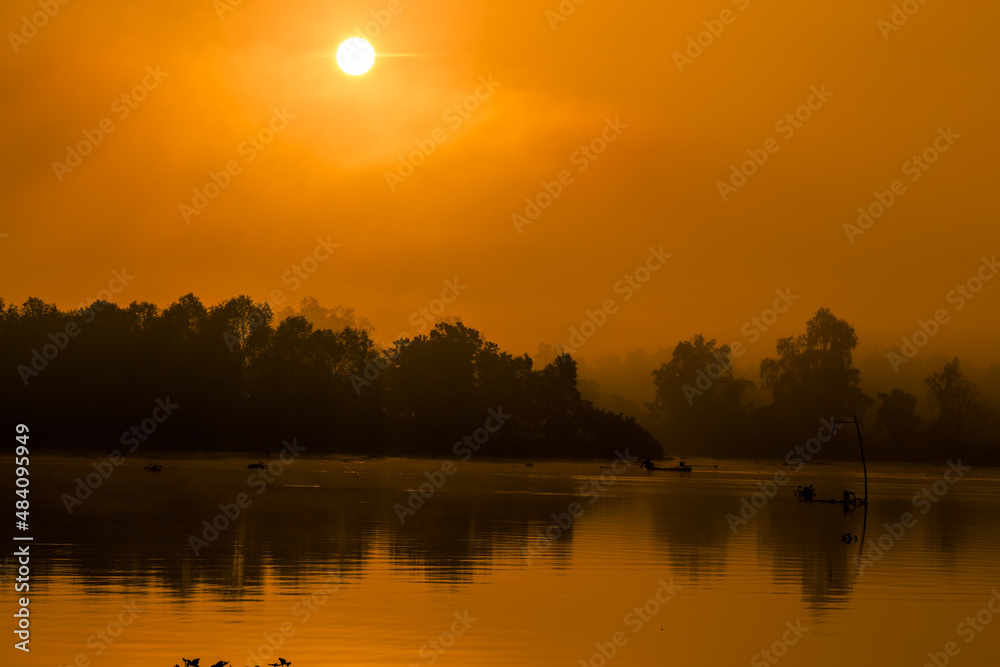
(355, 56)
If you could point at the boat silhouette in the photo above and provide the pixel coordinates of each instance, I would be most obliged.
(649, 465)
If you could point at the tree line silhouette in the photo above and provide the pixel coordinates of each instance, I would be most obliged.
(246, 380)
(703, 403)
(241, 381)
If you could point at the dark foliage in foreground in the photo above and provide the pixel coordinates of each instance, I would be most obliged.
(93, 377)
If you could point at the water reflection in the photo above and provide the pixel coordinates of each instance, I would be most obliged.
(331, 516)
(688, 521)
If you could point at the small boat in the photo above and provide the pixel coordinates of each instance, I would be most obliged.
(153, 467)
(681, 467)
(260, 465)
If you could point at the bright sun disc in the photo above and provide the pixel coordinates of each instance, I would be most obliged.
(355, 56)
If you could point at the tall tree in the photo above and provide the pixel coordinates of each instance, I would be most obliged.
(698, 399)
(956, 400)
(814, 376)
(896, 423)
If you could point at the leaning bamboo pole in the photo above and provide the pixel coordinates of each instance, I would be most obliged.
(864, 465)
(861, 444)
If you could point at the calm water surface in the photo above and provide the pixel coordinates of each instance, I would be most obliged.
(320, 564)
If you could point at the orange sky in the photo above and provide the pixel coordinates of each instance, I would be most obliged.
(323, 174)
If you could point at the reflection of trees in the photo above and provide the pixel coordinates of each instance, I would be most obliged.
(802, 541)
(134, 530)
(469, 531)
(686, 519)
(953, 529)
(325, 517)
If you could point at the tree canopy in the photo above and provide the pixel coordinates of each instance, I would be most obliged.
(698, 398)
(246, 379)
(243, 381)
(814, 376)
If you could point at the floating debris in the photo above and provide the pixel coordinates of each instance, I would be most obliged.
(222, 663)
(806, 493)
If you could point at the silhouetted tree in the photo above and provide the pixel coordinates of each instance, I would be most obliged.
(697, 401)
(813, 376)
(335, 319)
(897, 424)
(244, 381)
(956, 400)
(431, 393)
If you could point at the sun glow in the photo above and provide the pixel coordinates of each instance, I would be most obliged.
(355, 56)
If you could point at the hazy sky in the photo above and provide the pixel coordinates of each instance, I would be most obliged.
(202, 84)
